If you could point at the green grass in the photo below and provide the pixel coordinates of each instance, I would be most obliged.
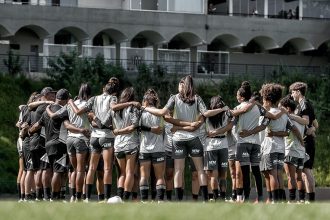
(171, 211)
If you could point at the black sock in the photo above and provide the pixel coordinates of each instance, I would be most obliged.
(55, 195)
(270, 195)
(23, 196)
(120, 192)
(107, 191)
(179, 194)
(246, 181)
(153, 194)
(47, 193)
(89, 188)
(79, 194)
(311, 197)
(215, 194)
(84, 196)
(195, 197)
(169, 195)
(19, 190)
(126, 195)
(134, 195)
(223, 196)
(211, 196)
(33, 195)
(292, 194)
(258, 179)
(100, 197)
(283, 195)
(234, 194)
(160, 189)
(62, 193)
(39, 193)
(144, 191)
(204, 192)
(302, 194)
(72, 192)
(239, 191)
(275, 195)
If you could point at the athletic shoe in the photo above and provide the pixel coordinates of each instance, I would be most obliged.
(85, 201)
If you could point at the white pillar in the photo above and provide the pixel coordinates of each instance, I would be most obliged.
(193, 60)
(88, 48)
(230, 8)
(266, 9)
(301, 9)
(117, 53)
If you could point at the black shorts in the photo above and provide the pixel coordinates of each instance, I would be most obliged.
(272, 161)
(216, 160)
(295, 161)
(36, 157)
(310, 150)
(28, 164)
(157, 157)
(98, 144)
(193, 148)
(248, 154)
(76, 145)
(59, 162)
(169, 159)
(44, 162)
(122, 154)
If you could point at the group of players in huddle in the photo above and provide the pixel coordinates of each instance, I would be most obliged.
(62, 141)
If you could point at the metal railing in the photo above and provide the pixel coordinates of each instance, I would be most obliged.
(73, 3)
(39, 64)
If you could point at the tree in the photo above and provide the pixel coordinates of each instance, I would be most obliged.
(13, 63)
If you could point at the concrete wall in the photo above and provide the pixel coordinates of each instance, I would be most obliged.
(274, 59)
(108, 4)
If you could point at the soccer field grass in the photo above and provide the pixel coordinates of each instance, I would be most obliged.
(164, 211)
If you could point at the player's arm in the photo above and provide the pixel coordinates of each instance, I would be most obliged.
(222, 130)
(35, 104)
(246, 108)
(75, 129)
(75, 109)
(246, 133)
(277, 134)
(304, 120)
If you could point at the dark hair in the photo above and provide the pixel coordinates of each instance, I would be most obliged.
(33, 97)
(151, 97)
(288, 102)
(245, 90)
(271, 92)
(256, 97)
(300, 86)
(127, 95)
(85, 91)
(187, 95)
(112, 87)
(217, 102)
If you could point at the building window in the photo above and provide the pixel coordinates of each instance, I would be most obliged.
(14, 46)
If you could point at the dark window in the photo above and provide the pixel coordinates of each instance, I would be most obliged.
(14, 46)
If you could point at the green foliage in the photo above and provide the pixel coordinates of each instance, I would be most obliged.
(14, 91)
(155, 79)
(69, 71)
(13, 63)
